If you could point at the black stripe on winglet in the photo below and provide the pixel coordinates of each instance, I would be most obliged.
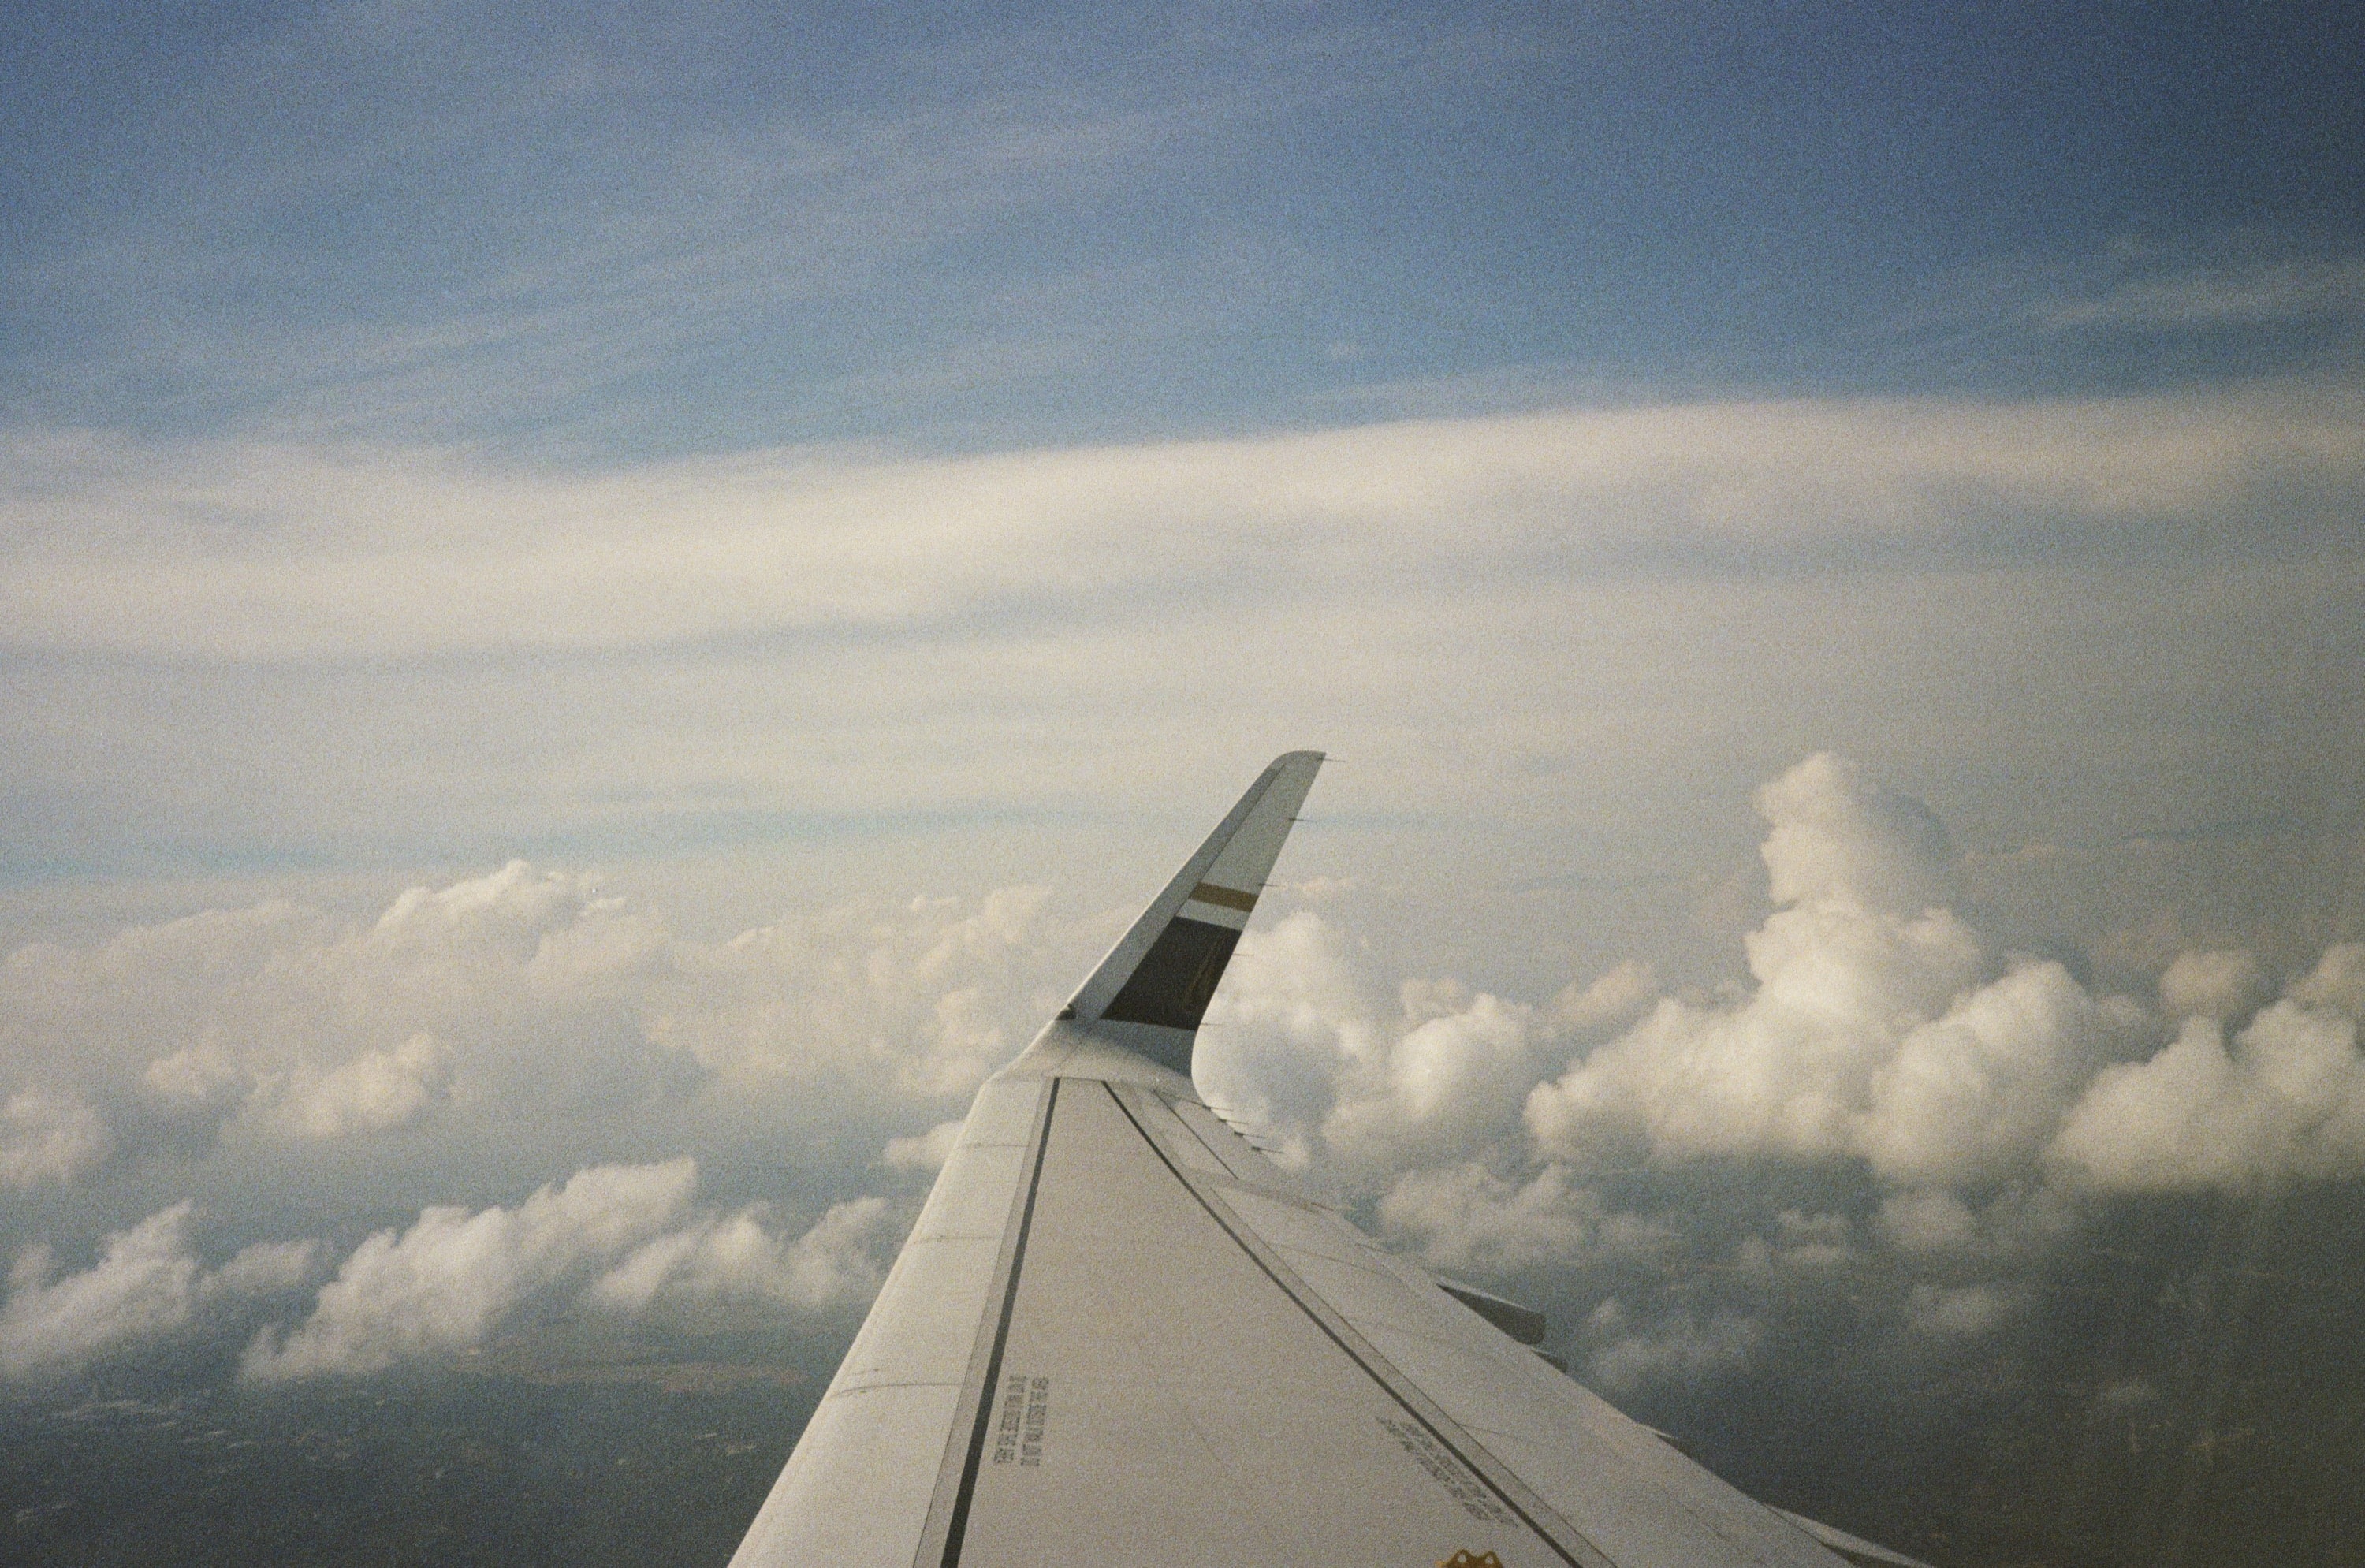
(1175, 979)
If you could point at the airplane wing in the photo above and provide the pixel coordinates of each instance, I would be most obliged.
(1120, 1337)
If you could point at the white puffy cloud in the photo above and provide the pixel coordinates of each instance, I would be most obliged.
(729, 1262)
(2285, 1100)
(2336, 982)
(521, 1000)
(920, 1001)
(1930, 1223)
(375, 1089)
(1812, 1241)
(1835, 838)
(289, 1025)
(448, 1281)
(1305, 1042)
(1880, 1030)
(149, 1284)
(924, 1151)
(625, 1240)
(2212, 983)
(46, 1138)
(1878, 1027)
(2279, 1097)
(1296, 1015)
(1681, 1348)
(1887, 1029)
(1467, 1216)
(1447, 1083)
(1607, 1002)
(1959, 1311)
(1975, 1092)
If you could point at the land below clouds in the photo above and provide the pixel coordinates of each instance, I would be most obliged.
(526, 1454)
(2183, 1390)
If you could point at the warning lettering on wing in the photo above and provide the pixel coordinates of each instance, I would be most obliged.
(1448, 1472)
(1019, 1417)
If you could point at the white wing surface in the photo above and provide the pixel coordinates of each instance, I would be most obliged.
(1120, 1336)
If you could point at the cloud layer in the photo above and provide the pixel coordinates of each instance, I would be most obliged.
(343, 552)
(613, 1245)
(521, 1000)
(620, 1240)
(1888, 1107)
(148, 1287)
(1878, 1028)
(1965, 1109)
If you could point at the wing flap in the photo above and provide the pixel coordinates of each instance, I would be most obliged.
(1162, 1401)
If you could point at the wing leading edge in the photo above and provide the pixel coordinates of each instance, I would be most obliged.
(1120, 1335)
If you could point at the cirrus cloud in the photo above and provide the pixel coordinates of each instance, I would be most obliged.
(344, 552)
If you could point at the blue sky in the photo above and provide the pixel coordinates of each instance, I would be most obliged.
(703, 228)
(724, 389)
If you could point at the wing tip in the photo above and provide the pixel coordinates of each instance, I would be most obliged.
(1164, 971)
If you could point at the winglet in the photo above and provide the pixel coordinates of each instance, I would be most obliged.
(1163, 972)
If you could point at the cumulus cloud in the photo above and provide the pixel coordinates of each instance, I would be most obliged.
(2212, 983)
(1799, 1242)
(2284, 1100)
(1836, 837)
(1449, 1082)
(1681, 1347)
(705, 1271)
(1306, 1043)
(45, 1139)
(288, 1024)
(448, 1281)
(149, 1284)
(1880, 1026)
(1988, 1096)
(1973, 1093)
(2338, 981)
(922, 1001)
(625, 1240)
(1930, 1223)
(924, 1151)
(1296, 1013)
(1959, 1311)
(1605, 1002)
(373, 1090)
(1467, 1216)
(1930, 1102)
(521, 999)
(1885, 1028)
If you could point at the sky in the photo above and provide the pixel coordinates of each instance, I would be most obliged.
(600, 611)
